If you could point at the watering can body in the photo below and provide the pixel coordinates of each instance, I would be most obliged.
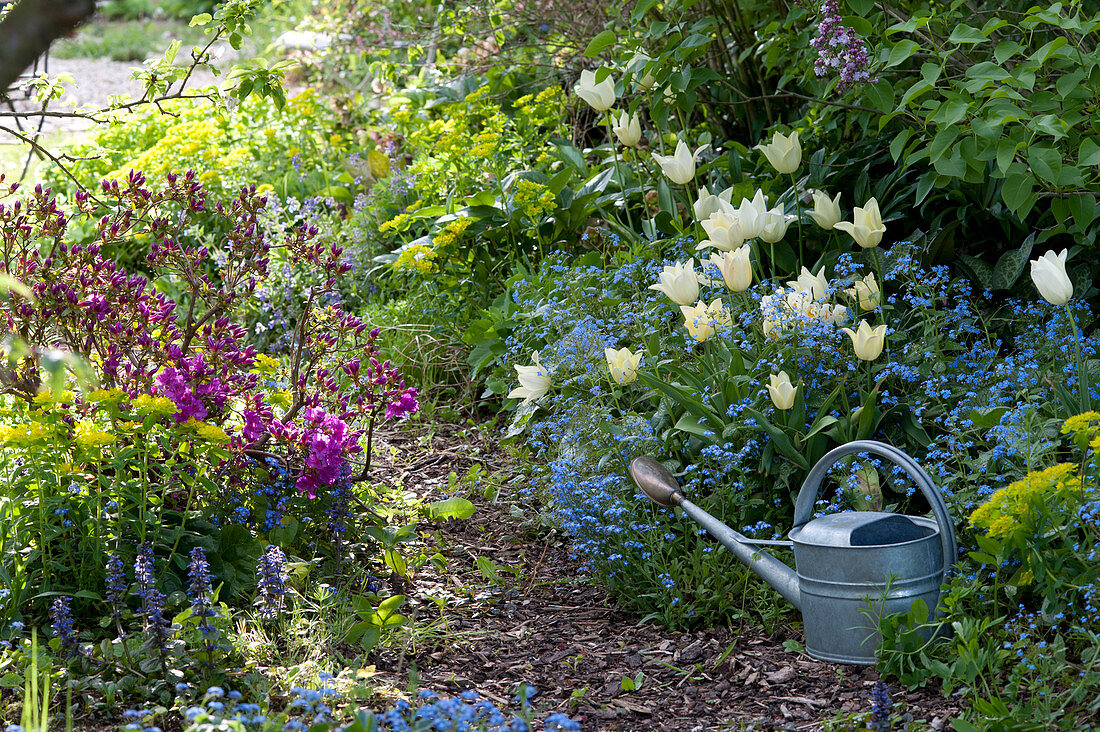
(851, 567)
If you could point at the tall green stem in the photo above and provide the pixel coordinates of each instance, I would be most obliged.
(798, 215)
(619, 172)
(1083, 386)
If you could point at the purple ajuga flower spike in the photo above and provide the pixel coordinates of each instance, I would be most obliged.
(152, 601)
(271, 576)
(143, 569)
(116, 584)
(881, 708)
(61, 621)
(198, 575)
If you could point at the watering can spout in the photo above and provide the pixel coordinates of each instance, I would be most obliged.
(655, 480)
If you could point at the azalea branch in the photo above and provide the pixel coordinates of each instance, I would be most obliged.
(33, 143)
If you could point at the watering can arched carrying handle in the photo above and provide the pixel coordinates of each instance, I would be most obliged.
(804, 504)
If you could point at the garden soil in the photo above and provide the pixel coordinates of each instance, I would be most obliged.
(541, 622)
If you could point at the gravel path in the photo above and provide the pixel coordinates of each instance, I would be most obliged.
(94, 82)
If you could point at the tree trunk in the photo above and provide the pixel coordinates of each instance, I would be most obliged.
(29, 28)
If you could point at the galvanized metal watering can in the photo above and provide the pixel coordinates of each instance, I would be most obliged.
(850, 566)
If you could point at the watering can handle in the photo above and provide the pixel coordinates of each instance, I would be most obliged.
(804, 504)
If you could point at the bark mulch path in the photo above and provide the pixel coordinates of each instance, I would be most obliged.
(537, 620)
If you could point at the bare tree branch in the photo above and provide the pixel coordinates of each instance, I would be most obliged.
(29, 29)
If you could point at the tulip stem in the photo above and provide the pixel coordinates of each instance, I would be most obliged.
(619, 172)
(1083, 386)
(798, 217)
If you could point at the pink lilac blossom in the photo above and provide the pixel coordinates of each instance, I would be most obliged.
(840, 48)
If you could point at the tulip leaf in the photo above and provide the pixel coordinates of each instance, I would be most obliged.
(571, 156)
(599, 43)
(597, 183)
(867, 416)
(681, 397)
(691, 425)
(780, 440)
(822, 423)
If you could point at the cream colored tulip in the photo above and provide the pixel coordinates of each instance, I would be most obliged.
(866, 292)
(838, 316)
(703, 320)
(784, 153)
(867, 341)
(735, 268)
(802, 303)
(711, 203)
(814, 284)
(679, 281)
(775, 225)
(623, 364)
(600, 96)
(752, 215)
(866, 226)
(782, 391)
(534, 380)
(628, 129)
(724, 230)
(723, 320)
(680, 166)
(1048, 272)
(826, 212)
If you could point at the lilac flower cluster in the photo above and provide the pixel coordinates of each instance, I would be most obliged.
(840, 49)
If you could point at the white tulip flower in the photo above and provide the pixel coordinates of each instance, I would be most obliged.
(1048, 272)
(600, 96)
(534, 380)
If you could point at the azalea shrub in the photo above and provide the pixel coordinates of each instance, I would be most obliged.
(164, 426)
